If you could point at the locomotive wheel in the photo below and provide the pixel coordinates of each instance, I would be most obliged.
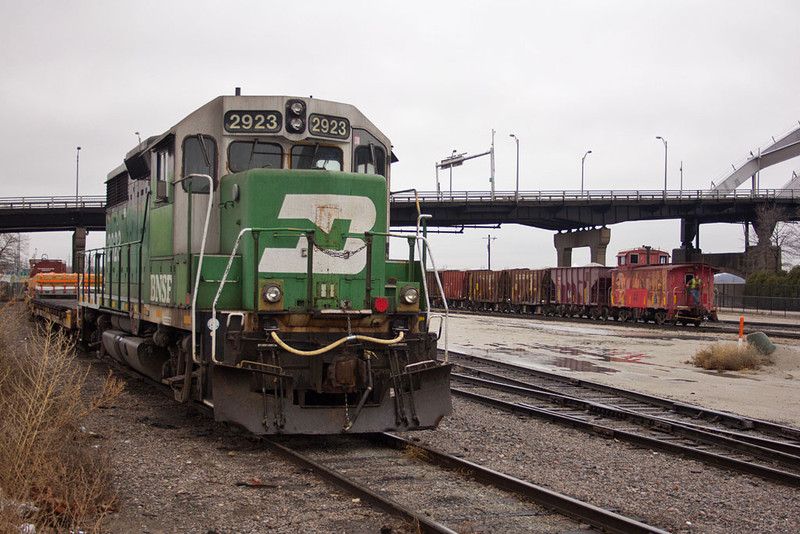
(660, 317)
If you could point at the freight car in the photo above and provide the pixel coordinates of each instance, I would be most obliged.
(246, 265)
(643, 286)
(661, 292)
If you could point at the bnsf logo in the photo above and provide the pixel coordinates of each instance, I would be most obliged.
(323, 210)
(160, 287)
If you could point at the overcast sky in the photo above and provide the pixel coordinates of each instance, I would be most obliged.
(715, 78)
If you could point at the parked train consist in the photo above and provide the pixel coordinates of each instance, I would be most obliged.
(246, 265)
(643, 286)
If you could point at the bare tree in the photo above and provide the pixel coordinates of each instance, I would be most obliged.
(13, 250)
(778, 237)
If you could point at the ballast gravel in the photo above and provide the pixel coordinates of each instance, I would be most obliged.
(176, 470)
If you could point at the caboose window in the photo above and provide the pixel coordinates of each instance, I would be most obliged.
(317, 157)
(244, 155)
(662, 260)
(199, 157)
(634, 260)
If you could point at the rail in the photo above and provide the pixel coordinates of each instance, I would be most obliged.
(596, 195)
(92, 201)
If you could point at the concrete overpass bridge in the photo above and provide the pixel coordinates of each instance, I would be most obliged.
(582, 218)
(48, 214)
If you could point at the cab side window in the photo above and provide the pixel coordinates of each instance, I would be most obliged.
(369, 156)
(165, 162)
(199, 157)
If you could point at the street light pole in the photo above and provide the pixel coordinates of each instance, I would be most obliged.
(516, 191)
(451, 174)
(77, 173)
(583, 159)
(665, 161)
(489, 240)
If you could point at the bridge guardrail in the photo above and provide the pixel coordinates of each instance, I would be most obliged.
(91, 201)
(582, 196)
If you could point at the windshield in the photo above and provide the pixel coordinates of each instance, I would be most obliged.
(317, 157)
(244, 155)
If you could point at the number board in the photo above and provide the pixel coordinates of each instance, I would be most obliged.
(253, 121)
(329, 126)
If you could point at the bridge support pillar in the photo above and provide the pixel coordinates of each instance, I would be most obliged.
(597, 240)
(690, 230)
(78, 247)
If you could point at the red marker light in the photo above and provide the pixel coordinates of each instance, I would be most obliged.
(381, 304)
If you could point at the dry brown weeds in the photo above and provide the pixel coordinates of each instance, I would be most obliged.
(729, 357)
(47, 459)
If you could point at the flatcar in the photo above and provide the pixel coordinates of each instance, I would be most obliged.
(246, 265)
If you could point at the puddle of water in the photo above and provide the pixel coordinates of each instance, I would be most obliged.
(585, 366)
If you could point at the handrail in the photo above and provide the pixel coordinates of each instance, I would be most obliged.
(89, 201)
(593, 195)
(99, 201)
(424, 241)
(228, 270)
(199, 263)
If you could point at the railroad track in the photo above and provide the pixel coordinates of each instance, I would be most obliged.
(726, 440)
(434, 491)
(438, 492)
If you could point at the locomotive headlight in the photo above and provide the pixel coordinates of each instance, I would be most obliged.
(295, 116)
(272, 293)
(409, 295)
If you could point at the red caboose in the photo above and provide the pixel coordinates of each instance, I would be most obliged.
(662, 291)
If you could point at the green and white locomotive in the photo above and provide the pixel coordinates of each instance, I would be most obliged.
(247, 265)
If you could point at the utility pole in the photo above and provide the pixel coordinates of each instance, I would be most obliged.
(489, 240)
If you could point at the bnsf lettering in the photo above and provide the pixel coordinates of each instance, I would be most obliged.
(160, 287)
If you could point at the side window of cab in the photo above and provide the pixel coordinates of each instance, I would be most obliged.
(199, 157)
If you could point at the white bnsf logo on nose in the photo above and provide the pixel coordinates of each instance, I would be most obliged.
(323, 211)
(160, 287)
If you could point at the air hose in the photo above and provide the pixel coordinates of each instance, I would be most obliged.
(323, 350)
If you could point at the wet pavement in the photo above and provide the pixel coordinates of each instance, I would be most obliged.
(650, 360)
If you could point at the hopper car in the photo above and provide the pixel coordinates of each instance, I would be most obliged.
(644, 286)
(246, 266)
